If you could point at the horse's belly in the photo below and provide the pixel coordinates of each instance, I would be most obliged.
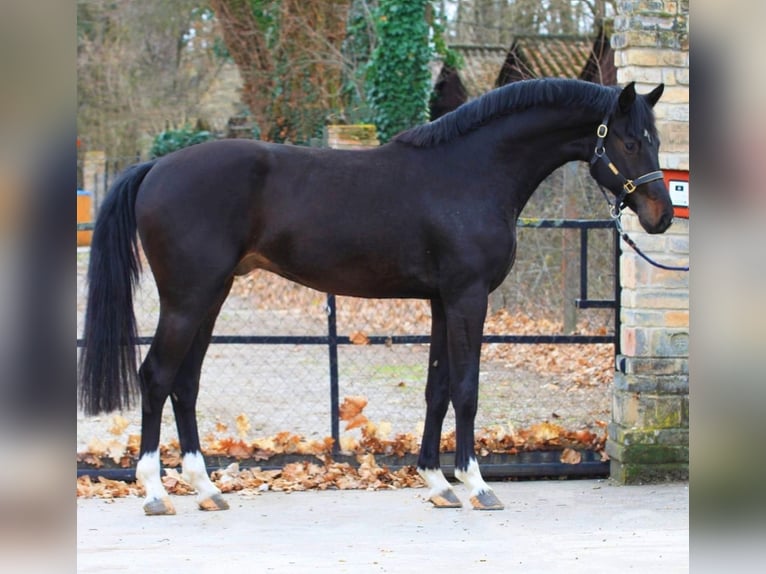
(361, 276)
(361, 282)
(253, 261)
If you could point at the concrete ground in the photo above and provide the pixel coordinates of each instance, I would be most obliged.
(547, 527)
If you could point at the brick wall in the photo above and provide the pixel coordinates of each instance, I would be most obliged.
(649, 430)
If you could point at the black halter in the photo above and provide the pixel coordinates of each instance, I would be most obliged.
(628, 185)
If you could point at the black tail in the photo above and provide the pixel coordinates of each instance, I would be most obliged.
(108, 377)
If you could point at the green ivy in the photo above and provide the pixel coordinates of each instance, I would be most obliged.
(450, 57)
(172, 140)
(357, 49)
(398, 80)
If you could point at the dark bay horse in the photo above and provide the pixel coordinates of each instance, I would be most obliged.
(431, 215)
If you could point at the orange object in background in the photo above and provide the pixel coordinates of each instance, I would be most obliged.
(84, 215)
(677, 183)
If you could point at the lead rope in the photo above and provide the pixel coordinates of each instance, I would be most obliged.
(615, 212)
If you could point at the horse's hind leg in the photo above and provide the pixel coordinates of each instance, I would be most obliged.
(179, 344)
(183, 397)
(437, 403)
(465, 322)
(176, 330)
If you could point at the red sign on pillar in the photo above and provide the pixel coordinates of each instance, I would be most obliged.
(677, 182)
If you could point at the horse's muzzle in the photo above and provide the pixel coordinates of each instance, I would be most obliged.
(658, 224)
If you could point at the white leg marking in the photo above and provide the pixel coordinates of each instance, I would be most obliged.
(194, 472)
(435, 480)
(148, 474)
(471, 477)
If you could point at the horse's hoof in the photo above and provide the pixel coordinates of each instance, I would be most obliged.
(446, 499)
(159, 507)
(215, 502)
(486, 501)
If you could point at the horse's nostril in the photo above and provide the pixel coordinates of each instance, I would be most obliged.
(667, 220)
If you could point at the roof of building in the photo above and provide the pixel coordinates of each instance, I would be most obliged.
(481, 65)
(529, 56)
(546, 57)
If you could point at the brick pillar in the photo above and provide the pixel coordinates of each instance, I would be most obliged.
(648, 437)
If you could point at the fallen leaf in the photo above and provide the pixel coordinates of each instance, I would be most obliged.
(348, 443)
(175, 483)
(570, 456)
(119, 424)
(97, 447)
(584, 436)
(90, 458)
(235, 448)
(352, 406)
(115, 450)
(356, 421)
(134, 444)
(351, 411)
(359, 338)
(84, 486)
(170, 455)
(243, 425)
(114, 488)
(545, 432)
(287, 443)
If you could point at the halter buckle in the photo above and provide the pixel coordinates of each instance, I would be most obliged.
(602, 131)
(599, 151)
(629, 187)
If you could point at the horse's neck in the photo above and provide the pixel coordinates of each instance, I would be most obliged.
(553, 137)
(540, 141)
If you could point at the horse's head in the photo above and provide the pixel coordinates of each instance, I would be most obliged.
(625, 159)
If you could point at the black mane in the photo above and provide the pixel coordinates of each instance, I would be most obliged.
(514, 97)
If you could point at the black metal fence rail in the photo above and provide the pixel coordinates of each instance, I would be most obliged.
(333, 340)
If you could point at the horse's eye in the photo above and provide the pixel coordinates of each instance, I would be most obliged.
(630, 146)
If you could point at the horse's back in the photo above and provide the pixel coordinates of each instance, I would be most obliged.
(386, 222)
(226, 188)
(339, 221)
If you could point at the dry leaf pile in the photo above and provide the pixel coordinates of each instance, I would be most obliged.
(293, 477)
(323, 473)
(579, 365)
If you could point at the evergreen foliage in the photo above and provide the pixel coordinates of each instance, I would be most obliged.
(174, 139)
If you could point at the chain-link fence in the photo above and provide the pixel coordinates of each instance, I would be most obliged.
(286, 387)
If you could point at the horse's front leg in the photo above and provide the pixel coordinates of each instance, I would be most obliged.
(437, 402)
(465, 323)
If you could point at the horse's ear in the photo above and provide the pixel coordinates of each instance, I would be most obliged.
(653, 96)
(627, 97)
